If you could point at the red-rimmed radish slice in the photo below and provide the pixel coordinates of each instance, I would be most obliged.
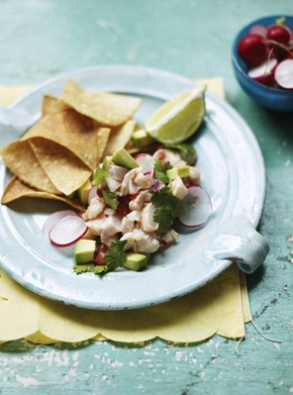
(145, 161)
(264, 74)
(284, 74)
(67, 231)
(93, 192)
(195, 207)
(54, 218)
(258, 29)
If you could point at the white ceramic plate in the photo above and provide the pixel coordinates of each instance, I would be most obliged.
(232, 172)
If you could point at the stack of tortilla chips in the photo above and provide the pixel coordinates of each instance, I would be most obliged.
(56, 156)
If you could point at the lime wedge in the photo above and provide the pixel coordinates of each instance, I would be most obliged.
(176, 120)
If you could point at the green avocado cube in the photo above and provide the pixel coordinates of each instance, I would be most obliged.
(84, 251)
(135, 261)
(182, 171)
(141, 138)
(123, 158)
(83, 192)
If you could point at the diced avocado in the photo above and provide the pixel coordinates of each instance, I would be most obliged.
(135, 261)
(84, 251)
(182, 171)
(123, 158)
(83, 192)
(141, 138)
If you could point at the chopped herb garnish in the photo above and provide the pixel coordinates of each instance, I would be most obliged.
(161, 169)
(186, 152)
(116, 256)
(110, 199)
(167, 208)
(100, 173)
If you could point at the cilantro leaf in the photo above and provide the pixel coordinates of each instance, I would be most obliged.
(100, 173)
(186, 152)
(88, 268)
(167, 208)
(161, 170)
(116, 256)
(110, 199)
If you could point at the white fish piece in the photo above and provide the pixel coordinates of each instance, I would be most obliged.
(134, 215)
(111, 225)
(169, 156)
(138, 203)
(127, 185)
(95, 208)
(119, 172)
(140, 241)
(144, 180)
(178, 188)
(194, 176)
(147, 222)
(127, 225)
(170, 236)
(96, 225)
(112, 183)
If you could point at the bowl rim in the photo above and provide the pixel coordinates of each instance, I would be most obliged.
(235, 56)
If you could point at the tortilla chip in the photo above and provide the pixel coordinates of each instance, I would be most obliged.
(66, 171)
(106, 108)
(76, 132)
(21, 160)
(51, 103)
(16, 189)
(119, 137)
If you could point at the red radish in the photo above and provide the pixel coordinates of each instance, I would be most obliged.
(278, 37)
(67, 231)
(258, 29)
(279, 33)
(93, 192)
(252, 49)
(145, 161)
(195, 207)
(54, 218)
(284, 74)
(264, 74)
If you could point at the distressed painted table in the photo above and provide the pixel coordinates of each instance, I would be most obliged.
(40, 39)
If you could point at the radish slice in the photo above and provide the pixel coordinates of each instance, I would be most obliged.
(93, 192)
(145, 161)
(195, 207)
(284, 74)
(67, 231)
(258, 29)
(264, 73)
(54, 218)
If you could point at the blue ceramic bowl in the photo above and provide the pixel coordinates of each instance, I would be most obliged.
(270, 98)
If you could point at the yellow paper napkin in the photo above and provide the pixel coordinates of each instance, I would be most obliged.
(220, 307)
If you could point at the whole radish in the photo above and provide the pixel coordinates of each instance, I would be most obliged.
(252, 49)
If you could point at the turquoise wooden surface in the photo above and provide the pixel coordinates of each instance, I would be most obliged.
(42, 38)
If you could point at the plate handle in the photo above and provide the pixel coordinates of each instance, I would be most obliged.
(239, 241)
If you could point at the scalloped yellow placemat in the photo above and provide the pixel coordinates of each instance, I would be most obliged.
(220, 307)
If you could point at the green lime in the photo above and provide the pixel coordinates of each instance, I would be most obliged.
(177, 119)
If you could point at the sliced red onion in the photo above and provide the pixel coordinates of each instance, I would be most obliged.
(157, 185)
(54, 218)
(195, 208)
(67, 231)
